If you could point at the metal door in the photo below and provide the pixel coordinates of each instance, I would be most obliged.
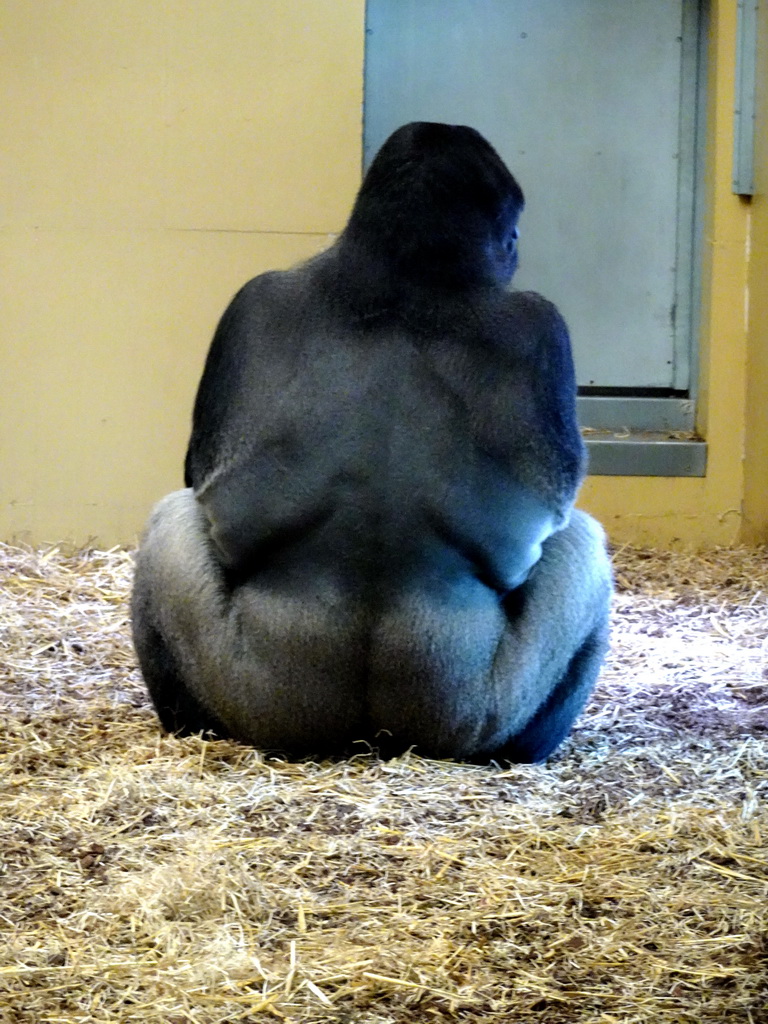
(593, 106)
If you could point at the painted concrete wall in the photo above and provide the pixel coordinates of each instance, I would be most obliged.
(157, 155)
(756, 450)
(154, 156)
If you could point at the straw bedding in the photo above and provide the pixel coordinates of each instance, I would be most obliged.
(150, 879)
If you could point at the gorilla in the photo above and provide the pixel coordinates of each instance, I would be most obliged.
(377, 538)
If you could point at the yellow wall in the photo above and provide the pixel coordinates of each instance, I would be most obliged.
(756, 463)
(154, 156)
(157, 154)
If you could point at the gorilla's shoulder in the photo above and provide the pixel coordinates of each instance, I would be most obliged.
(529, 327)
(273, 285)
(273, 297)
(282, 288)
(533, 306)
(531, 324)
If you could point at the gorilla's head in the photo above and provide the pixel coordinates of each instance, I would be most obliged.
(440, 207)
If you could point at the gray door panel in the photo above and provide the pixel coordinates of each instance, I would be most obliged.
(585, 100)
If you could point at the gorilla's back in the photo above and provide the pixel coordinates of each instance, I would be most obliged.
(371, 455)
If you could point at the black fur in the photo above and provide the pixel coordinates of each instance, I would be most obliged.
(377, 539)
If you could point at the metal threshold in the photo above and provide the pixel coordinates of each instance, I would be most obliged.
(644, 453)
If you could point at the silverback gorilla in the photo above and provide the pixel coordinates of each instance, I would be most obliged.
(377, 540)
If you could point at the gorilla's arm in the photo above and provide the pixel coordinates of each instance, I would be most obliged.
(241, 458)
(218, 412)
(529, 428)
(219, 378)
(556, 460)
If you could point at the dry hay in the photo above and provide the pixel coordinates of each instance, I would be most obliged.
(150, 879)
